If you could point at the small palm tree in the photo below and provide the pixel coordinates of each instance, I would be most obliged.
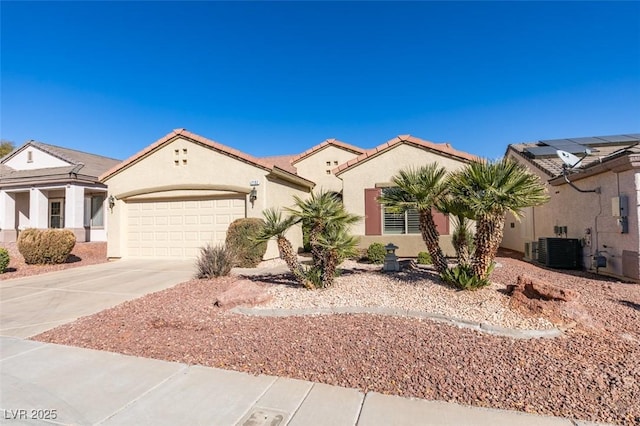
(462, 235)
(324, 213)
(420, 189)
(337, 244)
(276, 226)
(491, 189)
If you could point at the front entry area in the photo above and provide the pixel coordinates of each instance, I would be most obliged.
(177, 228)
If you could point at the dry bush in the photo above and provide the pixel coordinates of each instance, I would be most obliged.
(46, 246)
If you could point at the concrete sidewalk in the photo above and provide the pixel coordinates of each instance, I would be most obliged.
(57, 384)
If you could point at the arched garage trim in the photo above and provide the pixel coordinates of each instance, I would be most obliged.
(183, 187)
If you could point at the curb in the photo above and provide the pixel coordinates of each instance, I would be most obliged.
(460, 323)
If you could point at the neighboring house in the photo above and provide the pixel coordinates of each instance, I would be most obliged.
(598, 207)
(46, 186)
(184, 190)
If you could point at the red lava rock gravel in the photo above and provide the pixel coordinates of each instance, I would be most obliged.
(83, 254)
(591, 373)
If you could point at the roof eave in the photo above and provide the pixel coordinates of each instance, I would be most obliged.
(288, 176)
(615, 165)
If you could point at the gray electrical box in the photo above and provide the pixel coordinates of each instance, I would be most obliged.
(620, 206)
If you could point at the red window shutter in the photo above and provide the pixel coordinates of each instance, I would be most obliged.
(372, 212)
(442, 222)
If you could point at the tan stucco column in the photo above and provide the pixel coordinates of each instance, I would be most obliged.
(7, 217)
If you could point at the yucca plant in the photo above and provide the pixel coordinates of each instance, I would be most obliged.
(462, 235)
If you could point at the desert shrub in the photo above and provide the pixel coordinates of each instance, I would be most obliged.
(462, 277)
(241, 239)
(214, 261)
(45, 246)
(376, 253)
(4, 260)
(424, 258)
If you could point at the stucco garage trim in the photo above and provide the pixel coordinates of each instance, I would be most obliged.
(182, 187)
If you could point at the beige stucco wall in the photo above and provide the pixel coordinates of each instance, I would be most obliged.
(204, 166)
(408, 245)
(381, 169)
(40, 160)
(580, 212)
(314, 167)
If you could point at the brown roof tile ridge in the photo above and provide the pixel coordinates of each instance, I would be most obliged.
(139, 154)
(326, 142)
(445, 148)
(224, 148)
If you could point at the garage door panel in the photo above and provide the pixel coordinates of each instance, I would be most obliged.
(178, 228)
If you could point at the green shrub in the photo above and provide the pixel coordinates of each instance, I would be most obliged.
(241, 241)
(4, 260)
(214, 261)
(461, 277)
(376, 253)
(424, 258)
(45, 246)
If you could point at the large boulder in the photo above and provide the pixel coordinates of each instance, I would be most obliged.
(538, 289)
(242, 292)
(538, 298)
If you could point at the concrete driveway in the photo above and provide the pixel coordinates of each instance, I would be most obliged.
(31, 305)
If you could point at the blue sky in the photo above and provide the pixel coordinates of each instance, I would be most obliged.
(276, 78)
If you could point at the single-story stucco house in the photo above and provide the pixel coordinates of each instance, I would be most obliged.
(591, 220)
(184, 190)
(47, 186)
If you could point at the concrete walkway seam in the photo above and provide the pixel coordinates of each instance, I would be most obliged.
(461, 323)
(133, 401)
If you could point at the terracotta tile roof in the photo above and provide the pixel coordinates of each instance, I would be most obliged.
(551, 164)
(282, 161)
(192, 136)
(440, 148)
(324, 144)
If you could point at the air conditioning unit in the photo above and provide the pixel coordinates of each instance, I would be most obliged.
(561, 253)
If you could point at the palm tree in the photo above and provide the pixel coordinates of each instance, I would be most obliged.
(336, 243)
(462, 235)
(491, 189)
(276, 226)
(420, 189)
(321, 211)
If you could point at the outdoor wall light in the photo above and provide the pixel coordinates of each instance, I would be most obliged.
(112, 201)
(253, 195)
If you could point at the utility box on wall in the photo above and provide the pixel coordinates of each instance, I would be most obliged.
(620, 206)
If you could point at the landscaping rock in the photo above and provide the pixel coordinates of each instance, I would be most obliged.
(538, 298)
(242, 292)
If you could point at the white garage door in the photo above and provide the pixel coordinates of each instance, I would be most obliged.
(178, 228)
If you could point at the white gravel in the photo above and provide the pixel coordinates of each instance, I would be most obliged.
(417, 290)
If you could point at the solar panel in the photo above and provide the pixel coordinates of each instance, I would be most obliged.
(618, 139)
(586, 141)
(541, 151)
